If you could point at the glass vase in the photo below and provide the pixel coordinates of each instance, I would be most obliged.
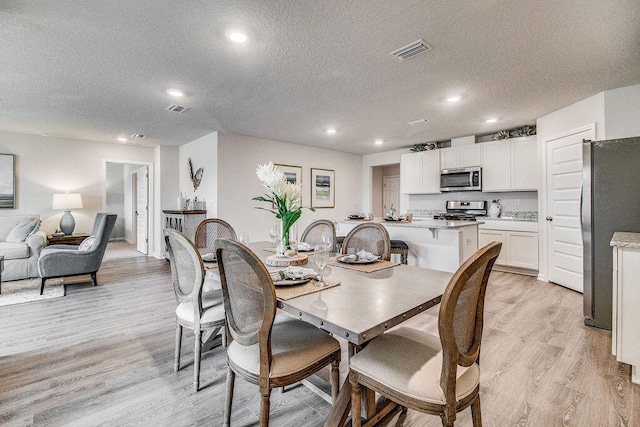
(287, 245)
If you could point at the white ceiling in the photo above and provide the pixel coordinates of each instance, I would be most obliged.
(97, 69)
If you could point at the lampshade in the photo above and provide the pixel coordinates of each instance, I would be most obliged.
(67, 201)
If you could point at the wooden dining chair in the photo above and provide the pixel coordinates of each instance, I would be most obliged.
(195, 310)
(370, 237)
(439, 376)
(264, 349)
(313, 233)
(211, 229)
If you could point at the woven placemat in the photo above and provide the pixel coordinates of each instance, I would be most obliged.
(286, 293)
(365, 268)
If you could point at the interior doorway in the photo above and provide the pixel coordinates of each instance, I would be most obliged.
(124, 196)
(380, 206)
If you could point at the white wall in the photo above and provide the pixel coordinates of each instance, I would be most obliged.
(622, 112)
(47, 165)
(238, 158)
(369, 161)
(114, 197)
(166, 184)
(204, 154)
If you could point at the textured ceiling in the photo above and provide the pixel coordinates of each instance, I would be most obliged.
(96, 69)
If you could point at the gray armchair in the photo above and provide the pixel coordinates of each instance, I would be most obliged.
(68, 260)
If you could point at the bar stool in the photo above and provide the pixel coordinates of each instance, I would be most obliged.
(401, 248)
(339, 241)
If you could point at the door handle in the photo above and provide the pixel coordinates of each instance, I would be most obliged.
(549, 218)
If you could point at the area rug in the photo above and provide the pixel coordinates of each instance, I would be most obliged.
(22, 291)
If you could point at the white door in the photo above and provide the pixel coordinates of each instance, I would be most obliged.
(564, 185)
(390, 193)
(142, 209)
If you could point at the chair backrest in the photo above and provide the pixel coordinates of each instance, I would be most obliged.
(370, 237)
(249, 297)
(102, 228)
(211, 229)
(313, 233)
(187, 270)
(461, 315)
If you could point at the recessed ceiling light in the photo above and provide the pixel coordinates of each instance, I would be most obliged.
(175, 92)
(331, 131)
(378, 142)
(122, 139)
(44, 134)
(237, 36)
(491, 120)
(454, 98)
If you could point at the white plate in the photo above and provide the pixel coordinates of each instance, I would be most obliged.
(291, 282)
(345, 260)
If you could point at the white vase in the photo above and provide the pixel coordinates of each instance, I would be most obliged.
(180, 202)
(494, 210)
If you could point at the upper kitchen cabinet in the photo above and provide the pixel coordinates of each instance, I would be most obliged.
(510, 165)
(461, 156)
(420, 172)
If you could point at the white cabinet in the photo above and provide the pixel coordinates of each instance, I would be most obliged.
(461, 157)
(510, 165)
(420, 173)
(519, 240)
(626, 300)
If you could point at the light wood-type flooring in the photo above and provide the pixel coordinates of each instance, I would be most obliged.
(104, 356)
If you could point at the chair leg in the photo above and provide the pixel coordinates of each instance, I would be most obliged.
(196, 360)
(176, 365)
(42, 285)
(356, 401)
(264, 409)
(94, 278)
(476, 415)
(335, 380)
(231, 377)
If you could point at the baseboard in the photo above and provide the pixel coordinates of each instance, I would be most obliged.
(515, 270)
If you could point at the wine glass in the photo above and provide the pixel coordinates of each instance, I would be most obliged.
(243, 238)
(321, 257)
(326, 239)
(273, 234)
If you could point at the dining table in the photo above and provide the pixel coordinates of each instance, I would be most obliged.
(363, 306)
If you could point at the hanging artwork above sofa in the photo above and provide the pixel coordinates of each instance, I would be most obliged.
(7, 182)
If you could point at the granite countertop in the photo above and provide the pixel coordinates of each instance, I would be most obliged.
(625, 239)
(418, 223)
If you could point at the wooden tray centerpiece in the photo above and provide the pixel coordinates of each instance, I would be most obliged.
(276, 261)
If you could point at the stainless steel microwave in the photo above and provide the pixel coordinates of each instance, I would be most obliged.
(461, 179)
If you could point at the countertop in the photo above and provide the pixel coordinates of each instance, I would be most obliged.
(507, 218)
(418, 223)
(625, 239)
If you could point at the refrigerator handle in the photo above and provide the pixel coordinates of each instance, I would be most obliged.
(581, 201)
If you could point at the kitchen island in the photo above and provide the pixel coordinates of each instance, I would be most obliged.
(436, 244)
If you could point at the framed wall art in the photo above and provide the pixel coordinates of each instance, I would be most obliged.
(7, 182)
(323, 186)
(292, 173)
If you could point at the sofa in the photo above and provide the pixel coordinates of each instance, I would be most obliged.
(20, 243)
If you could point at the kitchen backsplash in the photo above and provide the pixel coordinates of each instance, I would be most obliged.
(523, 202)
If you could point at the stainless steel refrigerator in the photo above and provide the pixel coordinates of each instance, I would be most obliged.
(610, 202)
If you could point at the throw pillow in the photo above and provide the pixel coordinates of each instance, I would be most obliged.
(87, 244)
(22, 230)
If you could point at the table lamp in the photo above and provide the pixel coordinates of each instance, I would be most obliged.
(67, 201)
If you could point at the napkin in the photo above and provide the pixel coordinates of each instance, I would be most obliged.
(303, 246)
(294, 272)
(367, 256)
(210, 257)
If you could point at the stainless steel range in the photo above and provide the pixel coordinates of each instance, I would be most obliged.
(463, 211)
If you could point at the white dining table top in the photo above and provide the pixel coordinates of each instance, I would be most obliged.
(365, 305)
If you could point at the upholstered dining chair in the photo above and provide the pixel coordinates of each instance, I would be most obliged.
(71, 260)
(313, 233)
(211, 229)
(195, 310)
(371, 237)
(439, 376)
(264, 349)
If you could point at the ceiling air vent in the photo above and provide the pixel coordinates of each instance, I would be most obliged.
(138, 136)
(418, 122)
(177, 108)
(410, 50)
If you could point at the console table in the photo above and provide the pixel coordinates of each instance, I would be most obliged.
(185, 221)
(70, 239)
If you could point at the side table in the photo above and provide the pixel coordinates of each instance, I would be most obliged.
(73, 239)
(1, 270)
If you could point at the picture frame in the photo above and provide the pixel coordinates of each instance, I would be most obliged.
(7, 181)
(292, 173)
(323, 185)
